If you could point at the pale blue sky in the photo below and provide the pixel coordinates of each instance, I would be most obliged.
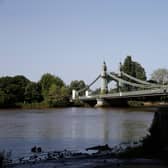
(71, 38)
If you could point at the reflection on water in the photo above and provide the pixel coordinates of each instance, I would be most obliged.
(73, 128)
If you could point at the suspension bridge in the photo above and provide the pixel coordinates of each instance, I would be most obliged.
(145, 91)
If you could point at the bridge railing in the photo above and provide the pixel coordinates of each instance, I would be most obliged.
(134, 93)
(130, 93)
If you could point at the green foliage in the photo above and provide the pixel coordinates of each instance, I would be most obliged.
(78, 103)
(134, 69)
(18, 90)
(139, 71)
(58, 96)
(3, 98)
(12, 90)
(50, 91)
(18, 87)
(33, 93)
(54, 91)
(47, 80)
(77, 85)
(160, 76)
(127, 66)
(36, 105)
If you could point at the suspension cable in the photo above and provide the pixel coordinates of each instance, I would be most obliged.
(128, 83)
(87, 87)
(138, 80)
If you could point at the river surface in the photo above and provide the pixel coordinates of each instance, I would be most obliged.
(71, 128)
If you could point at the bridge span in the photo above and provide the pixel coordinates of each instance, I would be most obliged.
(146, 91)
(122, 98)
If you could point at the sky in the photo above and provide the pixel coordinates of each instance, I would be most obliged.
(72, 38)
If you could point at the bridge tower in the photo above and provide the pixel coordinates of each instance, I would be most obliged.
(104, 83)
(119, 84)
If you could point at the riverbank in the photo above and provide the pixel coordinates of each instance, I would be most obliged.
(125, 155)
(42, 105)
(46, 105)
(95, 163)
(105, 157)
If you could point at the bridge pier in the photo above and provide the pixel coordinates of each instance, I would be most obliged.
(74, 94)
(101, 102)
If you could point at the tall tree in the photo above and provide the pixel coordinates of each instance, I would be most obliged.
(134, 69)
(19, 83)
(58, 96)
(14, 88)
(77, 85)
(139, 71)
(3, 98)
(160, 76)
(128, 66)
(33, 93)
(47, 80)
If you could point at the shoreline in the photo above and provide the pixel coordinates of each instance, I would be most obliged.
(104, 157)
(95, 163)
(133, 104)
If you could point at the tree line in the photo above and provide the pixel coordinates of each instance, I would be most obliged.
(51, 90)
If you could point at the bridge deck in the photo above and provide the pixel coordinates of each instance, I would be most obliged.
(131, 94)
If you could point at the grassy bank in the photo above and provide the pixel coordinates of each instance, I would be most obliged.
(43, 105)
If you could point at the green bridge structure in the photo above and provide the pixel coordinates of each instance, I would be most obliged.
(145, 91)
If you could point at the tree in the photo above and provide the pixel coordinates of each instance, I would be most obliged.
(139, 71)
(18, 89)
(58, 96)
(54, 91)
(19, 84)
(47, 80)
(3, 98)
(128, 66)
(13, 88)
(33, 93)
(134, 69)
(77, 85)
(160, 76)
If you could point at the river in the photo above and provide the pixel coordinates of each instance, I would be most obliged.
(71, 128)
